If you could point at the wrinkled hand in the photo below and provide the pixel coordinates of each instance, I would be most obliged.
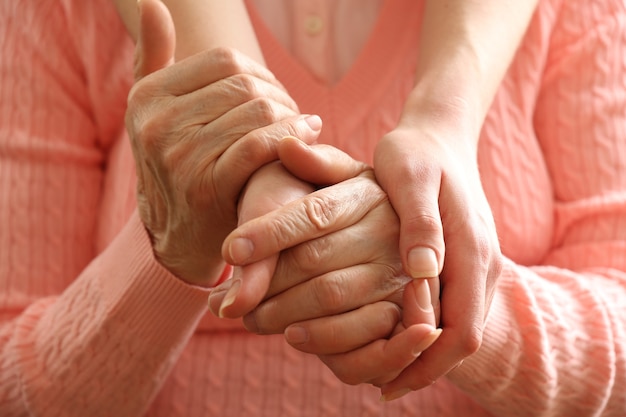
(199, 129)
(341, 281)
(268, 189)
(447, 229)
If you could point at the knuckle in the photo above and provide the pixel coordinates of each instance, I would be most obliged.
(255, 150)
(149, 133)
(496, 265)
(151, 126)
(319, 212)
(247, 86)
(139, 118)
(329, 293)
(309, 256)
(480, 244)
(142, 91)
(265, 110)
(426, 223)
(471, 341)
(136, 97)
(229, 59)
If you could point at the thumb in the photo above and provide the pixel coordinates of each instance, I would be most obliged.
(413, 190)
(421, 230)
(156, 42)
(318, 164)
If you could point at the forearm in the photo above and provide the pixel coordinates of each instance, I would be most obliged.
(553, 345)
(202, 25)
(117, 329)
(465, 50)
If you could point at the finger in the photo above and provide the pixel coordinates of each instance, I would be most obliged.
(342, 249)
(239, 295)
(209, 102)
(315, 215)
(157, 38)
(417, 303)
(382, 359)
(330, 294)
(462, 315)
(248, 289)
(208, 67)
(237, 146)
(242, 157)
(259, 197)
(319, 164)
(421, 232)
(435, 293)
(344, 332)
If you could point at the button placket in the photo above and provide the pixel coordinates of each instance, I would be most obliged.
(313, 25)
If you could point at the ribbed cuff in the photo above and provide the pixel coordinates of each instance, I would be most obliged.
(135, 284)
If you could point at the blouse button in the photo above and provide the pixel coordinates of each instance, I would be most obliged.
(313, 25)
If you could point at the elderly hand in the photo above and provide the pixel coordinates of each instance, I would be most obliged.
(341, 282)
(199, 128)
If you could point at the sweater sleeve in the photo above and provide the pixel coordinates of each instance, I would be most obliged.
(82, 333)
(555, 339)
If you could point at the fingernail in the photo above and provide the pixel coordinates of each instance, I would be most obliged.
(422, 295)
(296, 335)
(426, 342)
(215, 298)
(240, 250)
(230, 296)
(314, 122)
(394, 395)
(422, 263)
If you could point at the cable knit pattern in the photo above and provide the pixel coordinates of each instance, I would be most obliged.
(92, 325)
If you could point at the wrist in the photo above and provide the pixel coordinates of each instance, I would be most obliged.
(199, 269)
(452, 91)
(454, 111)
(451, 121)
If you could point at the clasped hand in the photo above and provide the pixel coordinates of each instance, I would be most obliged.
(340, 282)
(347, 297)
(201, 128)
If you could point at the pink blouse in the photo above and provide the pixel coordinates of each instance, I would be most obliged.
(325, 36)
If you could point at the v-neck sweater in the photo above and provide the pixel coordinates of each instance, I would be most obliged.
(92, 325)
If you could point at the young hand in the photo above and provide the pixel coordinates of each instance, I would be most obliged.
(446, 230)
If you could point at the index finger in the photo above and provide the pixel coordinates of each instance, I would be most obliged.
(205, 68)
(320, 213)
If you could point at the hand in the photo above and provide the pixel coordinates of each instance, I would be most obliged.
(447, 229)
(199, 128)
(350, 275)
(270, 188)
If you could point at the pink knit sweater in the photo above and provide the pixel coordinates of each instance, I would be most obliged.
(91, 325)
